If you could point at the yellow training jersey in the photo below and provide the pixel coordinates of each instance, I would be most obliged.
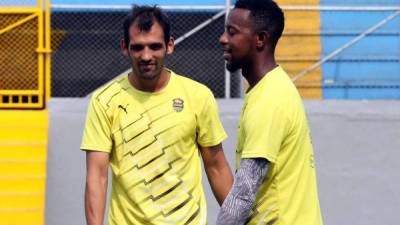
(273, 126)
(153, 141)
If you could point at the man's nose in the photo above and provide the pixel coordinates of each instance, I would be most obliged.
(223, 39)
(146, 55)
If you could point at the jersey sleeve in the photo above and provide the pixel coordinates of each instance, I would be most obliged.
(209, 129)
(97, 131)
(265, 128)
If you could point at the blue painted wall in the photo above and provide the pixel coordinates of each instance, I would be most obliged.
(23, 3)
(370, 69)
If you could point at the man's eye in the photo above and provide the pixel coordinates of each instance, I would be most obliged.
(156, 46)
(136, 48)
(230, 31)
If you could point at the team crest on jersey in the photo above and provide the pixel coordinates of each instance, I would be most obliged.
(177, 104)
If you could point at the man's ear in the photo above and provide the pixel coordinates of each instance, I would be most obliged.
(262, 40)
(124, 48)
(170, 46)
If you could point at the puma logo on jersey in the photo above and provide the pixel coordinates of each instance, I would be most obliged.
(123, 108)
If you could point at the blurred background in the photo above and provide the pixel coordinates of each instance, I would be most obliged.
(344, 57)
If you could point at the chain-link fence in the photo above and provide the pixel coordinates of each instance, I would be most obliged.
(18, 48)
(86, 52)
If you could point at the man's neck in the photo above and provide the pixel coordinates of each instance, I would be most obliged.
(255, 72)
(153, 85)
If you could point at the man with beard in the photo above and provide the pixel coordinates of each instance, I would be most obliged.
(275, 182)
(151, 126)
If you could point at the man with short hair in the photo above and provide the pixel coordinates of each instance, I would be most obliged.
(151, 126)
(275, 182)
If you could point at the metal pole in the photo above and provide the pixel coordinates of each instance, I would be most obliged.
(40, 53)
(227, 73)
(48, 51)
(127, 7)
(199, 27)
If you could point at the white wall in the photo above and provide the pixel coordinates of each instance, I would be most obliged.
(356, 143)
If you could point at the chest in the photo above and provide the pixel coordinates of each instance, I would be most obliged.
(141, 124)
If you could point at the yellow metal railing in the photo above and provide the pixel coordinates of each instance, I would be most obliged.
(25, 61)
(47, 51)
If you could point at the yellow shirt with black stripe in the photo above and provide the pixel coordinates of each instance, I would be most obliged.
(273, 125)
(153, 141)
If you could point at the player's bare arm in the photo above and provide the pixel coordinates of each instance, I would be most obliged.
(218, 171)
(96, 186)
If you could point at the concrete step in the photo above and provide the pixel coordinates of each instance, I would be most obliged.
(23, 155)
